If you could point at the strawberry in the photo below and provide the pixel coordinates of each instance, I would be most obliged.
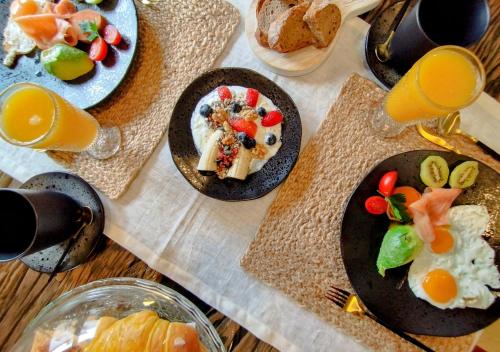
(252, 97)
(224, 93)
(242, 125)
(272, 118)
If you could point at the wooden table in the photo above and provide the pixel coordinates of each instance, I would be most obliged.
(24, 292)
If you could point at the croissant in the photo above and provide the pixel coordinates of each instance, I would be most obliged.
(139, 332)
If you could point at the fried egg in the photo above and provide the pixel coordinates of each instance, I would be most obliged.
(15, 42)
(455, 270)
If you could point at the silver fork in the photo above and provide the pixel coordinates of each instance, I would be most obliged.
(352, 304)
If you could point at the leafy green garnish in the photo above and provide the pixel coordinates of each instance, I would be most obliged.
(90, 28)
(398, 208)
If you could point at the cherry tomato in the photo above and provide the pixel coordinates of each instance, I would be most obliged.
(98, 50)
(224, 93)
(111, 35)
(387, 183)
(376, 205)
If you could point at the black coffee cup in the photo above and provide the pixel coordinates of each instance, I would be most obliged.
(34, 220)
(432, 23)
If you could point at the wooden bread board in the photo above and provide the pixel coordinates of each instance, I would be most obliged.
(305, 60)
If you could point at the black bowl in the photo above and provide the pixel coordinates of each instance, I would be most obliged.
(94, 87)
(184, 151)
(390, 298)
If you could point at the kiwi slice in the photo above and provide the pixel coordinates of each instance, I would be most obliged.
(434, 171)
(464, 175)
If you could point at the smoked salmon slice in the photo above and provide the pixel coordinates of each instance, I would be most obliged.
(23, 8)
(64, 8)
(47, 30)
(432, 210)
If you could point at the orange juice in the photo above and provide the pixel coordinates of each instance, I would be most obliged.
(442, 81)
(38, 118)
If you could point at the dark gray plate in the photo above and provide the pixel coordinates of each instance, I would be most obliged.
(390, 298)
(95, 86)
(46, 260)
(184, 151)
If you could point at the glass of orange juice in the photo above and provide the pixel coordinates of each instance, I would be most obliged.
(443, 81)
(35, 117)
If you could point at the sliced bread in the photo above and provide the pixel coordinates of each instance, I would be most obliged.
(323, 18)
(267, 12)
(289, 32)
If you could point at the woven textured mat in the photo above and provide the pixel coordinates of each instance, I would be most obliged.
(178, 40)
(297, 248)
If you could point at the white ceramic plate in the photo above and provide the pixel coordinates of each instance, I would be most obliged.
(305, 60)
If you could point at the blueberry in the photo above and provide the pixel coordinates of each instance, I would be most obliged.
(270, 139)
(261, 111)
(206, 110)
(236, 108)
(247, 141)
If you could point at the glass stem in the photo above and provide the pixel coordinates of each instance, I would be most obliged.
(106, 144)
(385, 126)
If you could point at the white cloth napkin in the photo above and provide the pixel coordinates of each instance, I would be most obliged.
(482, 120)
(198, 241)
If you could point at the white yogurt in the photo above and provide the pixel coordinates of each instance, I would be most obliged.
(201, 131)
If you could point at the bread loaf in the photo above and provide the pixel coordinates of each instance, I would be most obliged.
(323, 18)
(268, 11)
(289, 32)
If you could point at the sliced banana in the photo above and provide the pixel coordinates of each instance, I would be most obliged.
(241, 165)
(208, 160)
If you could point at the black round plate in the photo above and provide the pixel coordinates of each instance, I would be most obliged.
(46, 260)
(94, 87)
(390, 298)
(378, 33)
(184, 151)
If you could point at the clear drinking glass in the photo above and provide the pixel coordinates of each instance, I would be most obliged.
(443, 81)
(35, 117)
(72, 317)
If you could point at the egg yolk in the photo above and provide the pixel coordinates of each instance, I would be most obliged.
(443, 242)
(440, 286)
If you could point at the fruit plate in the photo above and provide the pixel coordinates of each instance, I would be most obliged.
(94, 87)
(184, 151)
(305, 60)
(390, 298)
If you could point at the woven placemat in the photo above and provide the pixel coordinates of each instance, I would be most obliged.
(297, 248)
(178, 40)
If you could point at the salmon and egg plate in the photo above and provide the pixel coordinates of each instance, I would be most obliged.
(47, 24)
(452, 262)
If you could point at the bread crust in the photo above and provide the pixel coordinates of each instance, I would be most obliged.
(315, 17)
(261, 38)
(267, 11)
(283, 32)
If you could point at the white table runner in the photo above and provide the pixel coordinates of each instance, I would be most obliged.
(198, 241)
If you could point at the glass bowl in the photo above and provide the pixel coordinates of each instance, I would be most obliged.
(73, 316)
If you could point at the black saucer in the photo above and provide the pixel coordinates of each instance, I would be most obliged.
(377, 34)
(75, 187)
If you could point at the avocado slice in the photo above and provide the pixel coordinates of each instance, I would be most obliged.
(66, 62)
